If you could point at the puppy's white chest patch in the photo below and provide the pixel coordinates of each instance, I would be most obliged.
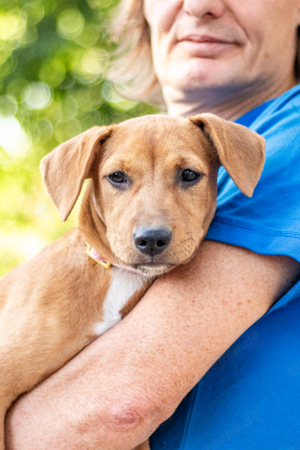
(123, 285)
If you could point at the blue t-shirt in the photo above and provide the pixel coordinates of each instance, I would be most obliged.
(249, 399)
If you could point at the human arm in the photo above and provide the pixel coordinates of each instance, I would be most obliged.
(121, 387)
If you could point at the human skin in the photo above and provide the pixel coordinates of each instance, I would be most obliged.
(117, 391)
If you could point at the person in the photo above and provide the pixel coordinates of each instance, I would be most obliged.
(228, 321)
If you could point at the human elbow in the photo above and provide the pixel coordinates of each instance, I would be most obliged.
(133, 414)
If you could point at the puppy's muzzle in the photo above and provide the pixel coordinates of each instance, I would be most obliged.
(152, 241)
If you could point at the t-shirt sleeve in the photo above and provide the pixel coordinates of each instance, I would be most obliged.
(268, 222)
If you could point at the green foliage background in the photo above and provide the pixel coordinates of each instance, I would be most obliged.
(53, 56)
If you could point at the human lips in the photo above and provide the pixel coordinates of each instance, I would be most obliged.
(203, 45)
(203, 38)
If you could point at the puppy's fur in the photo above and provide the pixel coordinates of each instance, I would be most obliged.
(54, 305)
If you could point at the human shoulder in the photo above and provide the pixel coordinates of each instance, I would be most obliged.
(280, 117)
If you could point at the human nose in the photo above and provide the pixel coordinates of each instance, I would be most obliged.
(200, 8)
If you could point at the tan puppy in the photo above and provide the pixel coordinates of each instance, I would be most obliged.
(148, 205)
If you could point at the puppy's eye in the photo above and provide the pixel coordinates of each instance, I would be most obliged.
(117, 177)
(189, 175)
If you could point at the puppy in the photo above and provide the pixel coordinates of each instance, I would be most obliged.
(150, 199)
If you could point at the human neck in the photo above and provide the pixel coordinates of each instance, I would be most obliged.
(180, 104)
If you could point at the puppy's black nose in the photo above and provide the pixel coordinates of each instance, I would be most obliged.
(151, 241)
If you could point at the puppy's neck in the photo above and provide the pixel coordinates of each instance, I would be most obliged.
(93, 228)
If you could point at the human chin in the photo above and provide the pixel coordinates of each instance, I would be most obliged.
(213, 68)
(200, 73)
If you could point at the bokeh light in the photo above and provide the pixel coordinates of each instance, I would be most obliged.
(36, 96)
(70, 23)
(13, 138)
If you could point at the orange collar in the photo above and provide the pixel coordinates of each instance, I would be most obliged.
(91, 252)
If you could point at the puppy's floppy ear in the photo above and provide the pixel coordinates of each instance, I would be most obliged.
(66, 167)
(240, 151)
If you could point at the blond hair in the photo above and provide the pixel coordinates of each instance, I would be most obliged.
(131, 69)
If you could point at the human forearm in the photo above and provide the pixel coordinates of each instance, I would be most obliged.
(79, 408)
(123, 385)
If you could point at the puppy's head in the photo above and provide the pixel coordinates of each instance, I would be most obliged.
(154, 182)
